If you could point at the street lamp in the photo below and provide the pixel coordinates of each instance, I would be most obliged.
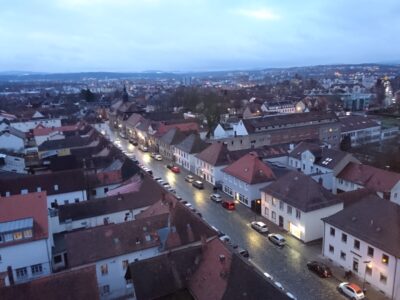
(367, 262)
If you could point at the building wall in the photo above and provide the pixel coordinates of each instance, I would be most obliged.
(208, 172)
(364, 136)
(115, 277)
(352, 254)
(26, 255)
(11, 142)
(306, 226)
(14, 164)
(241, 191)
(70, 197)
(116, 217)
(101, 191)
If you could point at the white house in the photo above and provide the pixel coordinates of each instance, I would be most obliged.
(12, 162)
(24, 237)
(12, 139)
(61, 187)
(186, 150)
(37, 119)
(228, 130)
(356, 176)
(283, 107)
(297, 203)
(321, 163)
(362, 130)
(244, 178)
(365, 238)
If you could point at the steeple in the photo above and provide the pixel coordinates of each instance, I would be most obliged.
(125, 96)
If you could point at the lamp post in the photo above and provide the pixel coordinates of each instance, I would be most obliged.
(367, 262)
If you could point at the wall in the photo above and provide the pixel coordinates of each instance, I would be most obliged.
(116, 272)
(11, 142)
(26, 255)
(14, 164)
(361, 255)
(70, 197)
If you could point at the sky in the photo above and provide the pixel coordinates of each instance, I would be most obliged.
(194, 35)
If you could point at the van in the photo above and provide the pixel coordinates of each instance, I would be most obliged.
(198, 184)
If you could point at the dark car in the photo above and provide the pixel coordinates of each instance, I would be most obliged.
(243, 252)
(198, 184)
(321, 269)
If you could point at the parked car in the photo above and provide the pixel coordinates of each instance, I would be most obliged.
(216, 198)
(243, 252)
(153, 154)
(198, 184)
(133, 142)
(175, 169)
(351, 290)
(228, 204)
(158, 157)
(277, 239)
(321, 269)
(189, 178)
(259, 226)
(225, 238)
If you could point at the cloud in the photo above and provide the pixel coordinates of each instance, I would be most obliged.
(259, 14)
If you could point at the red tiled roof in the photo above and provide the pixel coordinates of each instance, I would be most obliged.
(216, 154)
(188, 126)
(41, 130)
(210, 270)
(250, 169)
(32, 205)
(77, 284)
(370, 177)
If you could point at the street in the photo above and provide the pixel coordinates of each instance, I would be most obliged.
(286, 265)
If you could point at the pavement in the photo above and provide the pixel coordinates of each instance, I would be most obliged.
(287, 265)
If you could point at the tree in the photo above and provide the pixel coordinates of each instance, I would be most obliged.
(88, 95)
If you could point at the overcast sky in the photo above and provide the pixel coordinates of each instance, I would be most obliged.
(194, 35)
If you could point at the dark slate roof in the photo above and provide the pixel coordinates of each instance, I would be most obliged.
(67, 181)
(101, 242)
(77, 284)
(351, 123)
(301, 147)
(301, 191)
(373, 220)
(289, 119)
(216, 154)
(192, 144)
(148, 194)
(68, 142)
(165, 274)
(246, 282)
(173, 136)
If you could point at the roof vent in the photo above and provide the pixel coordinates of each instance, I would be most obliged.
(296, 178)
(246, 169)
(378, 229)
(372, 222)
(222, 258)
(354, 219)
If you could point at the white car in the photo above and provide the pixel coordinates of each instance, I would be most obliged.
(158, 157)
(277, 239)
(216, 197)
(353, 291)
(189, 178)
(259, 226)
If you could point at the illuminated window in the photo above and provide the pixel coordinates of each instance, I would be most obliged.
(17, 235)
(28, 233)
(385, 259)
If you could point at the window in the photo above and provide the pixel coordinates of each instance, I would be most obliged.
(104, 269)
(298, 214)
(383, 278)
(370, 251)
(344, 238)
(273, 215)
(332, 231)
(28, 233)
(281, 205)
(106, 190)
(266, 212)
(289, 209)
(342, 255)
(273, 201)
(331, 249)
(368, 270)
(17, 235)
(8, 237)
(37, 269)
(56, 187)
(125, 264)
(57, 259)
(76, 200)
(104, 289)
(21, 273)
(357, 244)
(385, 259)
(66, 201)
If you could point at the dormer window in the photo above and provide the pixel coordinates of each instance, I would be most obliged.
(38, 189)
(56, 187)
(24, 192)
